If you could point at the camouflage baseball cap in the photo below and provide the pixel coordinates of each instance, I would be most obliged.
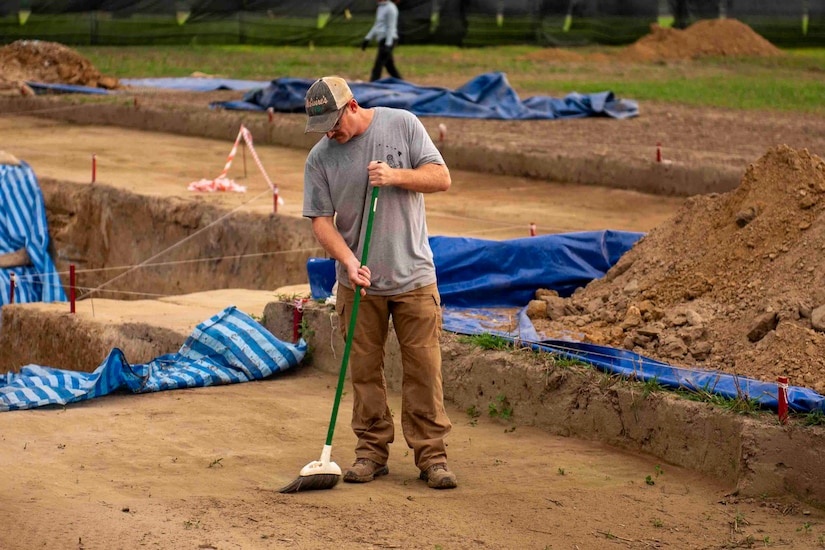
(324, 101)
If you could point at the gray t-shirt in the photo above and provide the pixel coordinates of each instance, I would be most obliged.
(336, 183)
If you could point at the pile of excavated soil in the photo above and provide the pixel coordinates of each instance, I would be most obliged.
(733, 282)
(706, 38)
(50, 63)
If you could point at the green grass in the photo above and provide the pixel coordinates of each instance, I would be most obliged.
(487, 341)
(793, 82)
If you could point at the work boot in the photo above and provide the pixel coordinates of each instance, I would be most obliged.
(364, 470)
(438, 476)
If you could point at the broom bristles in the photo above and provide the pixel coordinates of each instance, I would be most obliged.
(313, 482)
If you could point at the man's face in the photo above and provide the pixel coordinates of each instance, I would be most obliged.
(342, 131)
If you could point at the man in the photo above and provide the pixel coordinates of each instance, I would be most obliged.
(385, 31)
(390, 149)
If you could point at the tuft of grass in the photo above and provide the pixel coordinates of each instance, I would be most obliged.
(742, 403)
(650, 386)
(487, 341)
(814, 418)
(501, 408)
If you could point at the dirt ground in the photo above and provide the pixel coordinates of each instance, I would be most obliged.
(200, 468)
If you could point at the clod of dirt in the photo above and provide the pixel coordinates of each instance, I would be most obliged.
(705, 290)
(50, 63)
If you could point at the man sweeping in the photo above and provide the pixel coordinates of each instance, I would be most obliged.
(389, 149)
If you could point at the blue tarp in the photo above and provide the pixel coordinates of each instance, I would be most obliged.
(229, 348)
(23, 225)
(488, 96)
(485, 286)
(44, 88)
(484, 273)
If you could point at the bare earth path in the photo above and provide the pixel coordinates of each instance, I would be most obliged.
(201, 468)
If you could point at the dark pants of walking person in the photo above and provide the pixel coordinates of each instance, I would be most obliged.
(384, 59)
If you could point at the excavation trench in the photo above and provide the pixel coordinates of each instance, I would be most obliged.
(149, 311)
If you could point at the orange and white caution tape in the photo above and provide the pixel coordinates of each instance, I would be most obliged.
(221, 183)
(247, 137)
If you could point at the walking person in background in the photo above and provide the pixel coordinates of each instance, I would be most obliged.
(387, 148)
(385, 31)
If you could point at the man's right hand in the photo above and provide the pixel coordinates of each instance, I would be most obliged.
(364, 44)
(359, 276)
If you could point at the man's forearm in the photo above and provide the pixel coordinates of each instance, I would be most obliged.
(428, 178)
(332, 241)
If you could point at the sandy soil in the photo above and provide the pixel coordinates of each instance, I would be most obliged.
(201, 469)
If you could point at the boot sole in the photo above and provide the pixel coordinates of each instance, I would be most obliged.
(352, 477)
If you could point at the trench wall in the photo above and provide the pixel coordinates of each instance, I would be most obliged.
(99, 228)
(755, 455)
(288, 131)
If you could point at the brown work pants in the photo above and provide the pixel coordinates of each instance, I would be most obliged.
(416, 317)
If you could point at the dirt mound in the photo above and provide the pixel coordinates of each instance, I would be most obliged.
(50, 63)
(706, 38)
(732, 282)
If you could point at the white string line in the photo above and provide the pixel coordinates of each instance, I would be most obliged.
(127, 292)
(193, 235)
(156, 264)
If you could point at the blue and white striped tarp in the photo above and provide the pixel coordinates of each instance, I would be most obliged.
(23, 225)
(230, 347)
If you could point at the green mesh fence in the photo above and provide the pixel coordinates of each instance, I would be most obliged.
(471, 23)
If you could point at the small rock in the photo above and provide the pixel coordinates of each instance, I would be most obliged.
(762, 326)
(631, 287)
(633, 318)
(746, 216)
(537, 309)
(818, 318)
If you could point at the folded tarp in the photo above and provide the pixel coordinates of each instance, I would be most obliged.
(229, 348)
(195, 84)
(485, 286)
(488, 96)
(23, 225)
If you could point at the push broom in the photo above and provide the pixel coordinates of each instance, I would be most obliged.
(324, 474)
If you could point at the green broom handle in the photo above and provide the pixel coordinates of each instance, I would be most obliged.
(342, 375)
